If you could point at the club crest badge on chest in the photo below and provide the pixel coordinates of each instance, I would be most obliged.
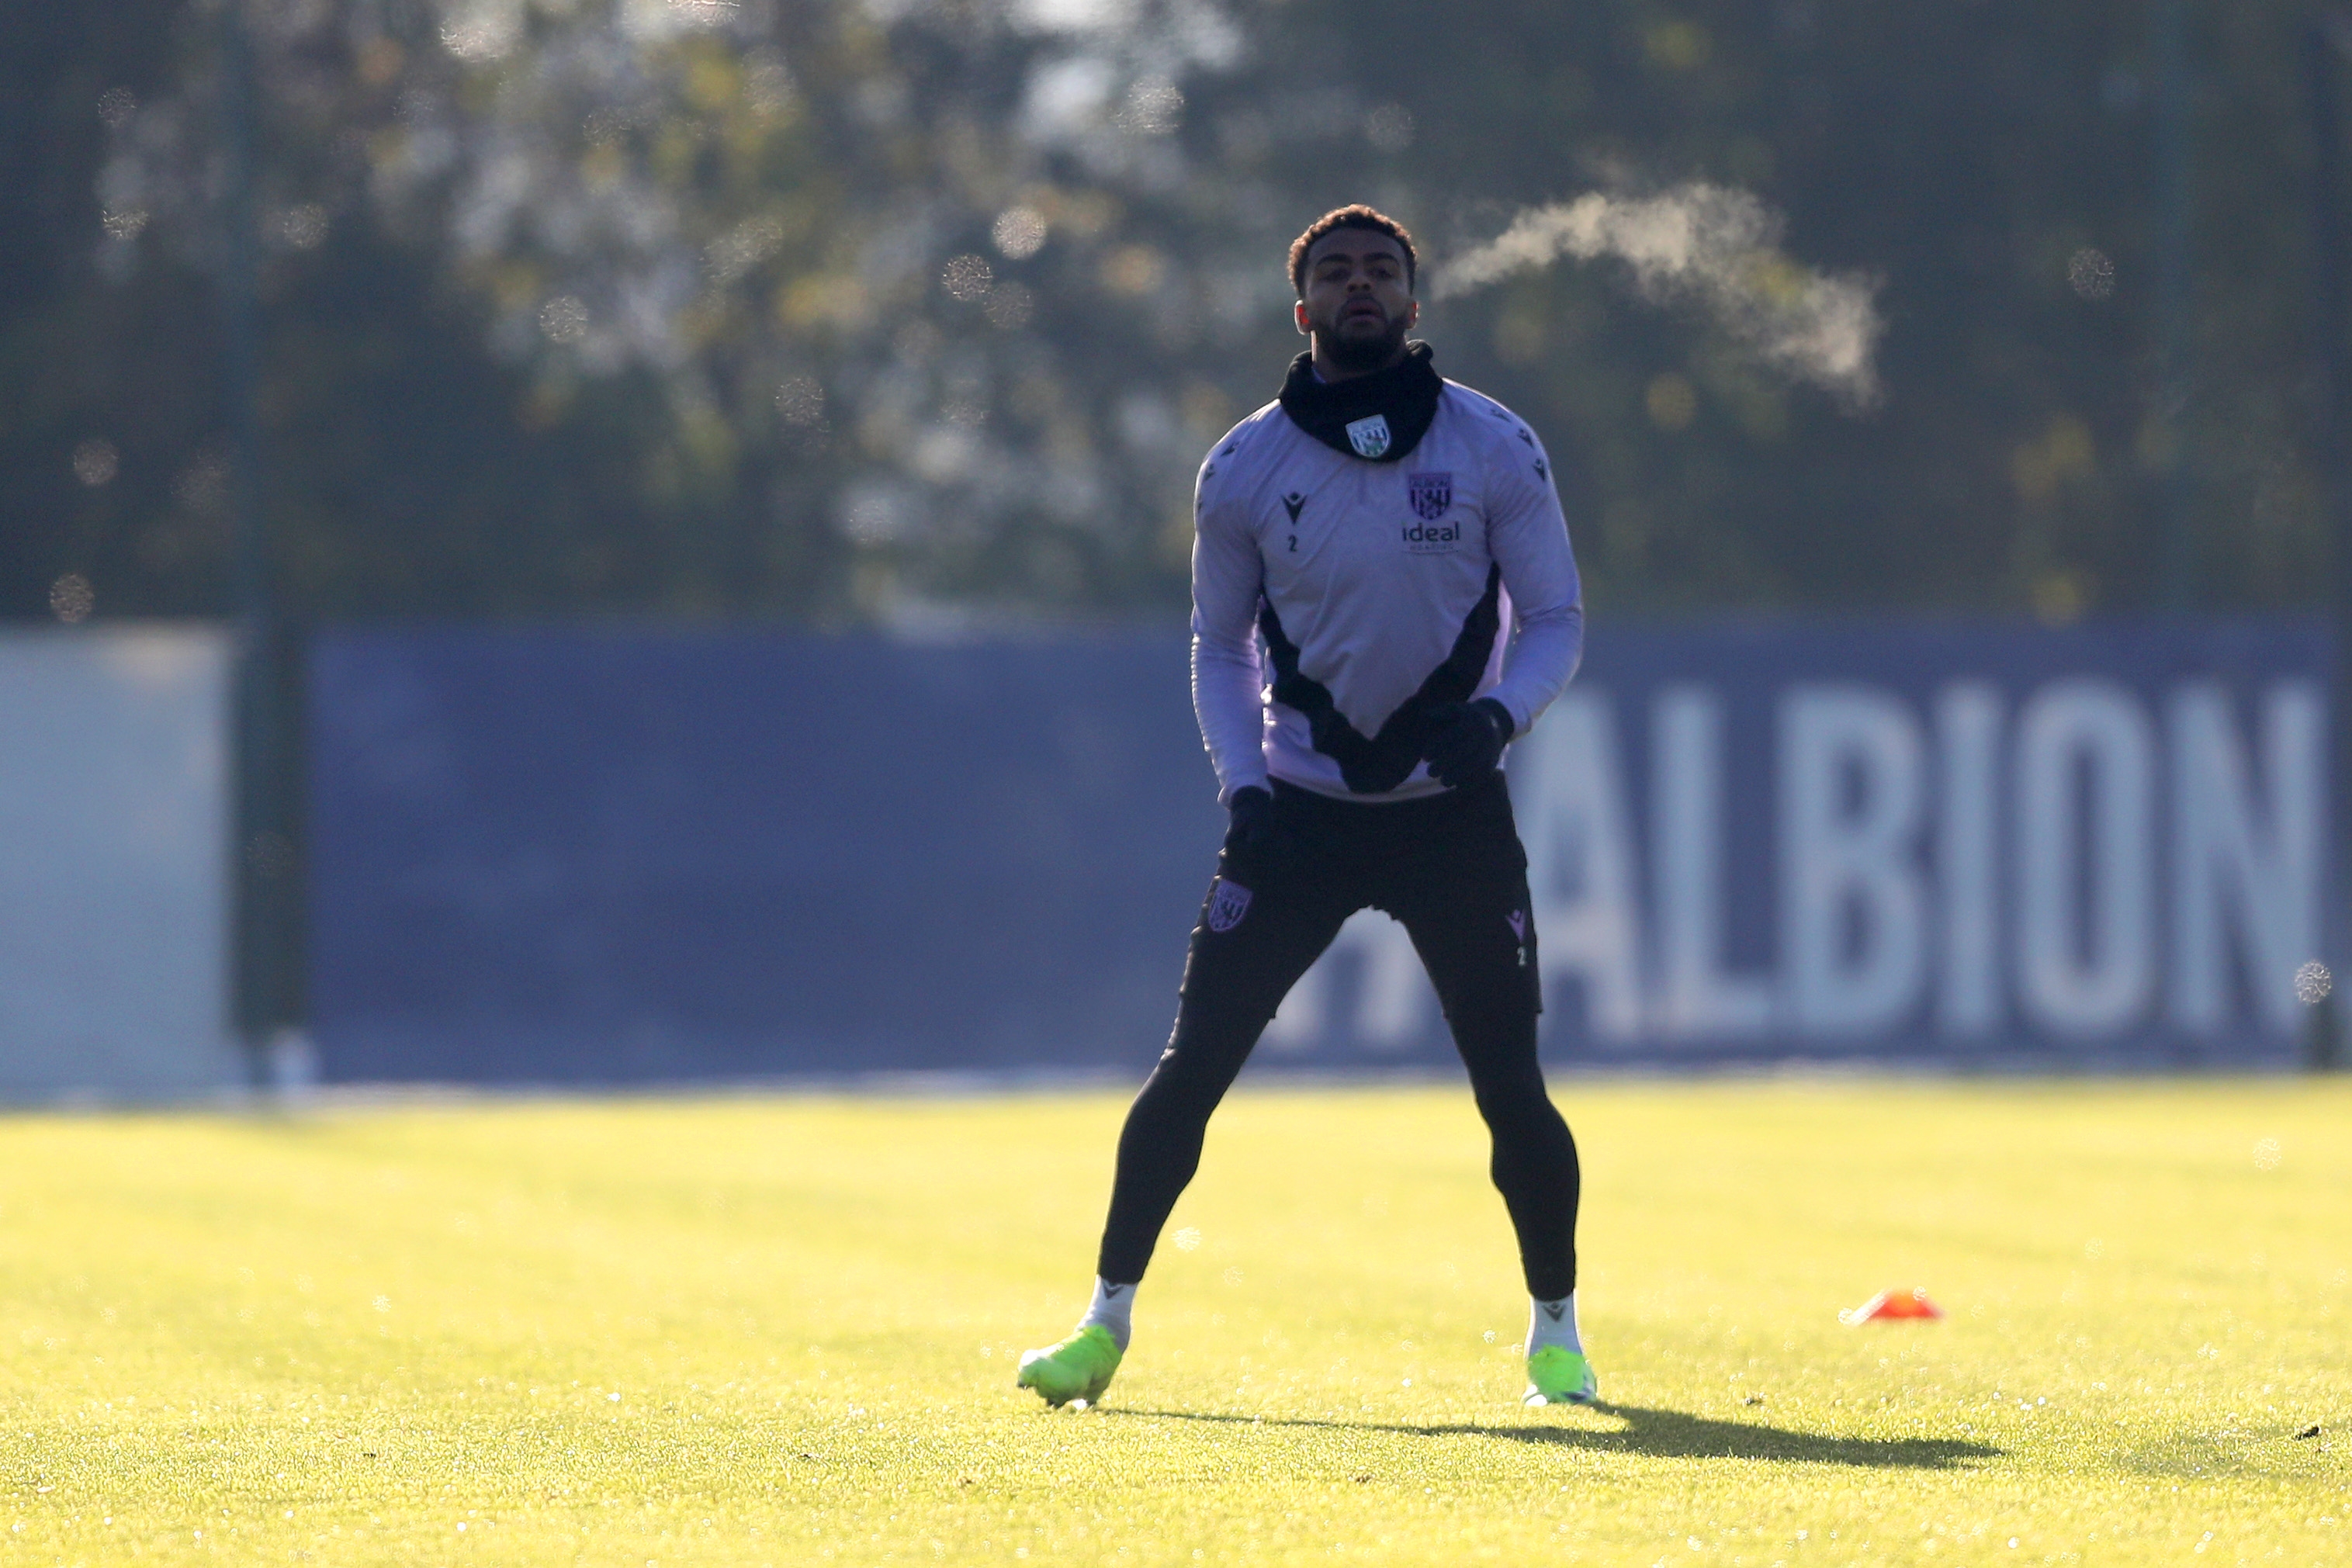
(1431, 495)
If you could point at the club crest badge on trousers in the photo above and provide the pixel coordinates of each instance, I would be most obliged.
(1228, 902)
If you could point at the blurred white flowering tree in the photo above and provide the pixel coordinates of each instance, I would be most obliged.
(894, 287)
(853, 308)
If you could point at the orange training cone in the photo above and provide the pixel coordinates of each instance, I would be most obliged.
(1911, 1303)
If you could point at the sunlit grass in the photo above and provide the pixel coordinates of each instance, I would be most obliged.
(782, 1330)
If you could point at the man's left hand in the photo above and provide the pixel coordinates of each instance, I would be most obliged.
(1467, 739)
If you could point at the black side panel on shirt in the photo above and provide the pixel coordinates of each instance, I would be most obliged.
(1405, 395)
(1369, 766)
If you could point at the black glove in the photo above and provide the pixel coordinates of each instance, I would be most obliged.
(1252, 836)
(1465, 741)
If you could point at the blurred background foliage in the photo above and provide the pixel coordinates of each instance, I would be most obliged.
(844, 310)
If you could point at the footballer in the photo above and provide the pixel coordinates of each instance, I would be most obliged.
(1383, 596)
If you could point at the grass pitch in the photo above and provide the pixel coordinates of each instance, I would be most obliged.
(783, 1330)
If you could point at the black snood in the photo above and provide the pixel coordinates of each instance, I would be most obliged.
(1380, 417)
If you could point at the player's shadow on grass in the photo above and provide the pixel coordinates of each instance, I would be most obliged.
(1661, 1434)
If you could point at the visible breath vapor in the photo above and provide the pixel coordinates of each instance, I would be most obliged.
(1718, 248)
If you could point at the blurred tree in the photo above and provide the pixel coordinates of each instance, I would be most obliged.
(855, 309)
(1992, 164)
(96, 379)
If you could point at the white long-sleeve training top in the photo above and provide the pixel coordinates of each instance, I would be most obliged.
(1335, 600)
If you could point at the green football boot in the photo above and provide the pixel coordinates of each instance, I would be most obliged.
(1077, 1368)
(1557, 1376)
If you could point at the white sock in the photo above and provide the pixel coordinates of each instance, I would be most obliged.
(1114, 1309)
(1554, 1323)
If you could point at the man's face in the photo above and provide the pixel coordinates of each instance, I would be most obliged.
(1357, 305)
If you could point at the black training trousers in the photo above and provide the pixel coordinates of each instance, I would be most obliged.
(1450, 868)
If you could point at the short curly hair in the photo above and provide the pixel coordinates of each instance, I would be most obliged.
(1358, 216)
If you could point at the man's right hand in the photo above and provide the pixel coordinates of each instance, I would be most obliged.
(1254, 839)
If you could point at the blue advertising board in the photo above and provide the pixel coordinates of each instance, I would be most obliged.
(630, 855)
(622, 855)
(1957, 845)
